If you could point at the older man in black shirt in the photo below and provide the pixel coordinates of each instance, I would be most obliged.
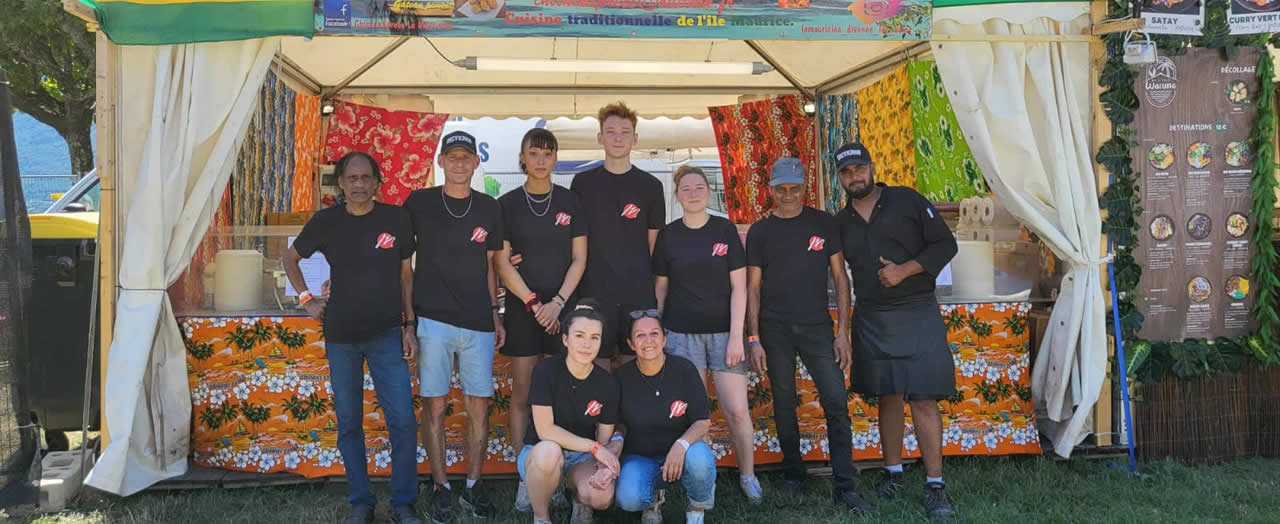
(896, 244)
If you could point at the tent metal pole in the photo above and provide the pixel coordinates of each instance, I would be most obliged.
(444, 89)
(889, 59)
(391, 48)
(764, 55)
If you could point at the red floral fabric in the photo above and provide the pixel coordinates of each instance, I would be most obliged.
(751, 137)
(403, 142)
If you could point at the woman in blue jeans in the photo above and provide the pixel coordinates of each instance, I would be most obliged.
(575, 406)
(664, 408)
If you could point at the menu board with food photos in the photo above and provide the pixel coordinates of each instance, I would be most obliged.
(1195, 162)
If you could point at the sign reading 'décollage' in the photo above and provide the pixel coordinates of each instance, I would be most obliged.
(729, 19)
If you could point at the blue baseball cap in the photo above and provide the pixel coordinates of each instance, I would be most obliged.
(786, 170)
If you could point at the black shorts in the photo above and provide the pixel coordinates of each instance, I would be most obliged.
(617, 329)
(525, 336)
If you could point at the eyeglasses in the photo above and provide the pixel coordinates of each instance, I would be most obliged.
(641, 313)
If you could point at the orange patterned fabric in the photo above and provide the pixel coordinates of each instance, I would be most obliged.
(403, 142)
(260, 400)
(306, 149)
(884, 123)
(750, 138)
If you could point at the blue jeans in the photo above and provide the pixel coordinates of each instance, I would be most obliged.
(641, 475)
(391, 382)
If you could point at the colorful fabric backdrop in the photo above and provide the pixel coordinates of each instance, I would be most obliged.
(262, 181)
(306, 147)
(403, 142)
(945, 168)
(261, 401)
(884, 123)
(838, 115)
(750, 138)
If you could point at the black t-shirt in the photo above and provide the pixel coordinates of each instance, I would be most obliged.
(903, 227)
(451, 278)
(620, 210)
(544, 242)
(794, 255)
(577, 405)
(655, 422)
(697, 263)
(364, 255)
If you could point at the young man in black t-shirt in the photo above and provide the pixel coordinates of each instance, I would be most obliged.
(789, 255)
(624, 208)
(367, 245)
(454, 295)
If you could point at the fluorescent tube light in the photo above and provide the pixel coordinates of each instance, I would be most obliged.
(554, 65)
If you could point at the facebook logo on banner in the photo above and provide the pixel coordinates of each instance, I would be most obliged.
(337, 13)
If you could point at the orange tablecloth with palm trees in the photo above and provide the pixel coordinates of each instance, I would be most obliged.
(261, 400)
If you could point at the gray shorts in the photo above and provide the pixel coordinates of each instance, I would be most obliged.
(705, 350)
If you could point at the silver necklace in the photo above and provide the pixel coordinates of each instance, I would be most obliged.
(658, 390)
(530, 201)
(470, 200)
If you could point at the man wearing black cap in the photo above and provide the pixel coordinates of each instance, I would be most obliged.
(789, 255)
(896, 244)
(454, 296)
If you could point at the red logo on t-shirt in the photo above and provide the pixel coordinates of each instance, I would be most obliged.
(593, 408)
(563, 219)
(720, 249)
(479, 234)
(677, 408)
(385, 241)
(631, 211)
(816, 243)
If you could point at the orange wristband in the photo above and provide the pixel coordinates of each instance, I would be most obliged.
(595, 448)
(753, 340)
(305, 297)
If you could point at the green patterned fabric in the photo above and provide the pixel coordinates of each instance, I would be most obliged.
(945, 168)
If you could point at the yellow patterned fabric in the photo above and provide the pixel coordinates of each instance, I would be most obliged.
(884, 125)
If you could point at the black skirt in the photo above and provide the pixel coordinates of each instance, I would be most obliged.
(902, 350)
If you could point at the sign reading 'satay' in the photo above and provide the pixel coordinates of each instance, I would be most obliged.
(1174, 17)
(1195, 158)
(712, 19)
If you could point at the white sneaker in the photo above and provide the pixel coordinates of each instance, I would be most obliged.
(751, 488)
(523, 505)
(653, 514)
(693, 517)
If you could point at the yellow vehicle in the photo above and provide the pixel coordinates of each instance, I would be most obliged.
(63, 245)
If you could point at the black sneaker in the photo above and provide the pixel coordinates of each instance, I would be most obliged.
(936, 503)
(442, 511)
(360, 514)
(405, 515)
(889, 484)
(854, 503)
(476, 500)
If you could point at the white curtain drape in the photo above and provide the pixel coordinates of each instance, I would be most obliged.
(1025, 108)
(183, 111)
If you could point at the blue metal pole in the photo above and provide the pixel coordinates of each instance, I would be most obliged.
(1124, 372)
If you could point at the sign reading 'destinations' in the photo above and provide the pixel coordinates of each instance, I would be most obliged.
(731, 19)
(1196, 162)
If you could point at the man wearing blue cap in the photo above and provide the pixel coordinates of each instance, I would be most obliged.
(896, 246)
(455, 298)
(789, 255)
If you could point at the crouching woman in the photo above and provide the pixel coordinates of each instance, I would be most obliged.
(575, 407)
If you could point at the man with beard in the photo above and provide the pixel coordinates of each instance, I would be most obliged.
(789, 255)
(896, 244)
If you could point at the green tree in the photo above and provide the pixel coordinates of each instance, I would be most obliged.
(49, 56)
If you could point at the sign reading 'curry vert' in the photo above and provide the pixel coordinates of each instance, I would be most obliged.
(1194, 122)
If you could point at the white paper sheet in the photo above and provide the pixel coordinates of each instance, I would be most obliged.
(315, 271)
(944, 276)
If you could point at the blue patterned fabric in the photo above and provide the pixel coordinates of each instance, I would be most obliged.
(838, 121)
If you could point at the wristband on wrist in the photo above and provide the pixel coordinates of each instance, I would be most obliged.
(753, 340)
(529, 300)
(595, 448)
(304, 297)
(561, 299)
(495, 307)
(684, 443)
(616, 437)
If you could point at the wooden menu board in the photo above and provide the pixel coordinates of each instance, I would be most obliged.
(1195, 159)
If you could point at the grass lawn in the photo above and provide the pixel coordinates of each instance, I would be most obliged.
(1017, 489)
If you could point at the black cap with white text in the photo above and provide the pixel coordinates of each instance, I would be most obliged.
(852, 155)
(461, 139)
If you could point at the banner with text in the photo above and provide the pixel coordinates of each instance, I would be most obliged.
(714, 19)
(1196, 163)
(1254, 16)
